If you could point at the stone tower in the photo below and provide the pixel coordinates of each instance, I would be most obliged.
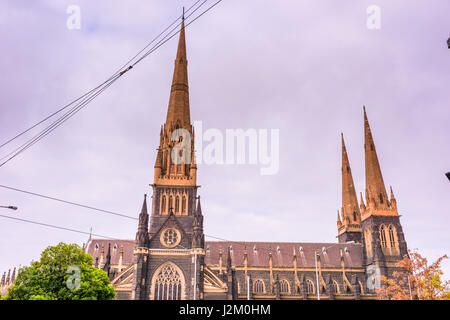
(383, 238)
(349, 226)
(169, 255)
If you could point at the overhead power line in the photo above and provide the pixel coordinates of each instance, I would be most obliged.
(51, 115)
(92, 94)
(69, 202)
(99, 86)
(56, 227)
(57, 123)
(234, 242)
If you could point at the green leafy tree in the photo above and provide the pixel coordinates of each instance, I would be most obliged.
(64, 272)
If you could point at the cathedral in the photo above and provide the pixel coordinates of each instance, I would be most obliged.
(170, 259)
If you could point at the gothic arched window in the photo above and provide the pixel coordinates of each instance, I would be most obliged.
(177, 204)
(381, 198)
(392, 236)
(309, 287)
(383, 236)
(168, 283)
(183, 204)
(163, 204)
(354, 216)
(258, 286)
(284, 286)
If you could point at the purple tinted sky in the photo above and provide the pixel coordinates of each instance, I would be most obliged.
(305, 67)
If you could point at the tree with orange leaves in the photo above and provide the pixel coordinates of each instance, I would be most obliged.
(416, 280)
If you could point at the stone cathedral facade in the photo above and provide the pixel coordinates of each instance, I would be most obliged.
(170, 259)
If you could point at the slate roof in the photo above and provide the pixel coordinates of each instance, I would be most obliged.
(95, 251)
(283, 253)
(257, 253)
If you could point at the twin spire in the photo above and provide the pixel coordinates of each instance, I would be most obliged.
(350, 208)
(375, 188)
(349, 220)
(178, 111)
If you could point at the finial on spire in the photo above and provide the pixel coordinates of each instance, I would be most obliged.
(393, 200)
(199, 207)
(183, 15)
(144, 206)
(392, 192)
(362, 205)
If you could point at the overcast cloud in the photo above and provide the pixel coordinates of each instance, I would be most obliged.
(303, 67)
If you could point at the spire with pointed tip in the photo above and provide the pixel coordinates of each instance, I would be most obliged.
(362, 206)
(158, 162)
(198, 238)
(178, 111)
(142, 233)
(350, 207)
(90, 237)
(175, 160)
(375, 188)
(349, 228)
(361, 199)
(393, 201)
(349, 225)
(339, 222)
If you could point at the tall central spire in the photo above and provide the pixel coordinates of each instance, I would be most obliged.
(375, 188)
(175, 160)
(178, 111)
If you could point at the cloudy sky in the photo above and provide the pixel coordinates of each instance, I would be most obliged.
(303, 67)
